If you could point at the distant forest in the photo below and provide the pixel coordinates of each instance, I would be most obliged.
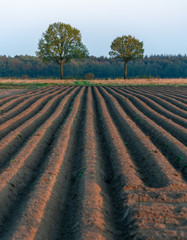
(160, 66)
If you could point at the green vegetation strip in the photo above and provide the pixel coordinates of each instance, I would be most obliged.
(35, 85)
(26, 85)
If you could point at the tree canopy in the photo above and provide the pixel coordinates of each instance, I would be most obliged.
(162, 66)
(126, 48)
(60, 43)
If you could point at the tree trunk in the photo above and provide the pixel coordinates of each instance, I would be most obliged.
(61, 69)
(125, 70)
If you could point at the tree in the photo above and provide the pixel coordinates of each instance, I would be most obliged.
(60, 43)
(89, 76)
(126, 48)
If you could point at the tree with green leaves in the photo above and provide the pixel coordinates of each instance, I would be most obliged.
(61, 43)
(126, 48)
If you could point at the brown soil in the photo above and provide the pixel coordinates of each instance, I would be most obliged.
(11, 92)
(93, 163)
(178, 81)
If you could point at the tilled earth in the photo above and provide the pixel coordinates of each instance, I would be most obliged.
(93, 163)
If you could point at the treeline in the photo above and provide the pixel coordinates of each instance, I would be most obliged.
(98, 67)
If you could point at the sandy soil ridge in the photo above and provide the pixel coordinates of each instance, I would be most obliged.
(93, 163)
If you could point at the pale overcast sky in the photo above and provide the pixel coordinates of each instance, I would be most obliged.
(160, 24)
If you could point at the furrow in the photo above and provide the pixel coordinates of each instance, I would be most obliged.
(143, 224)
(28, 92)
(38, 165)
(68, 210)
(50, 211)
(169, 146)
(179, 110)
(117, 170)
(115, 144)
(4, 93)
(10, 144)
(28, 103)
(9, 98)
(169, 92)
(181, 99)
(174, 129)
(106, 163)
(153, 91)
(174, 117)
(92, 223)
(15, 101)
(35, 108)
(173, 101)
(135, 196)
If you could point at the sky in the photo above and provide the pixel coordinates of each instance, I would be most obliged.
(160, 24)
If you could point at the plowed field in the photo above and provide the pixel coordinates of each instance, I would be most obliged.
(93, 163)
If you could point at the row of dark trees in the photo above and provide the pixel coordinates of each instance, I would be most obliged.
(98, 67)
